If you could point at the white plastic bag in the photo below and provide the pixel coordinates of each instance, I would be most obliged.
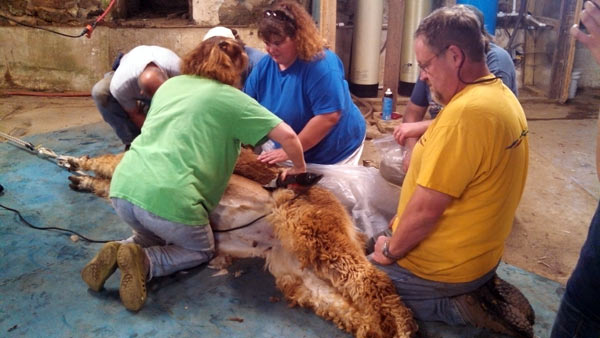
(392, 156)
(370, 199)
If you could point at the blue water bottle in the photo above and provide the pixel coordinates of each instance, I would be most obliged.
(387, 105)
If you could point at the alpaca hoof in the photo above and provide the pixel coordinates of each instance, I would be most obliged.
(74, 162)
(77, 183)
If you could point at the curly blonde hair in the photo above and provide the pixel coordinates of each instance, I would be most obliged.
(298, 25)
(217, 58)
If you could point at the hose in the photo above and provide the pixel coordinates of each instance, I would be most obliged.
(87, 31)
(45, 29)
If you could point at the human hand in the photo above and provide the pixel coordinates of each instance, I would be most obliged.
(377, 255)
(273, 156)
(294, 185)
(406, 130)
(590, 16)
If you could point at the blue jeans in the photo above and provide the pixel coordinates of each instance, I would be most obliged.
(112, 112)
(169, 246)
(431, 300)
(579, 312)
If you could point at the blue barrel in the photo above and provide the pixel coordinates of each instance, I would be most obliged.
(489, 8)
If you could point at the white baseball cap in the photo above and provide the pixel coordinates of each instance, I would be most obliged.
(219, 31)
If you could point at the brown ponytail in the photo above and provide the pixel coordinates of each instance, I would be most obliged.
(217, 58)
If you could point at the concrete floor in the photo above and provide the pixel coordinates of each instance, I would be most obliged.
(43, 292)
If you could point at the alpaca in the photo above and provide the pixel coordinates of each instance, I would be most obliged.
(308, 241)
(316, 229)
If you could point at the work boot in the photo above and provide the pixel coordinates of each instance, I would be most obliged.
(513, 296)
(131, 261)
(481, 308)
(97, 271)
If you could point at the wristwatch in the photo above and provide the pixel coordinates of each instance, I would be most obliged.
(386, 251)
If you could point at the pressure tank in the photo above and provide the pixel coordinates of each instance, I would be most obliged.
(366, 44)
(489, 8)
(414, 12)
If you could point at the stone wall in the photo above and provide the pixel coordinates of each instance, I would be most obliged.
(78, 12)
(41, 12)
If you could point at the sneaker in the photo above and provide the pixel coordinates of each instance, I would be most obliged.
(132, 290)
(511, 295)
(481, 308)
(102, 266)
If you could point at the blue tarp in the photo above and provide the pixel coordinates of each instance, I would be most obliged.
(42, 294)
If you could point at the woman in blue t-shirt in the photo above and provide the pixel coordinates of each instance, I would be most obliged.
(303, 83)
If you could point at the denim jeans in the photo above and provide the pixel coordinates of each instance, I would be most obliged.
(579, 312)
(112, 112)
(169, 246)
(429, 300)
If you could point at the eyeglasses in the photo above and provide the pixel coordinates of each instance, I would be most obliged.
(280, 15)
(423, 66)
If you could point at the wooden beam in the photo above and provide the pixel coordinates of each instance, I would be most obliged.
(328, 21)
(562, 65)
(529, 56)
(391, 73)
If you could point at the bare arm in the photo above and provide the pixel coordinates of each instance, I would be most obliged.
(317, 128)
(410, 130)
(412, 114)
(285, 135)
(418, 220)
(312, 133)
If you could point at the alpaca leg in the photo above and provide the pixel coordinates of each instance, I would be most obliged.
(96, 185)
(371, 291)
(102, 166)
(302, 287)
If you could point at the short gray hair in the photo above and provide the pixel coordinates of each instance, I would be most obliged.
(456, 25)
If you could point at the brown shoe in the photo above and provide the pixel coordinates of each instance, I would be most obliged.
(513, 296)
(97, 271)
(481, 308)
(131, 261)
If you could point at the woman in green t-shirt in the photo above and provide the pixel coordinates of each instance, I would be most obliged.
(178, 167)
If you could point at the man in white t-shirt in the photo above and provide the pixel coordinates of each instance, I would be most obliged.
(123, 95)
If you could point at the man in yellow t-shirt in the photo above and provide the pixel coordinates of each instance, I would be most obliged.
(462, 188)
